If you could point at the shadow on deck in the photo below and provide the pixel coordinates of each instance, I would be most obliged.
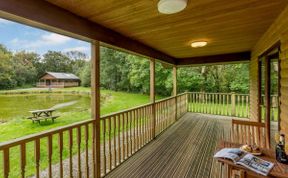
(186, 149)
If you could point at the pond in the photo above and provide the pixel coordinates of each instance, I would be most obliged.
(18, 106)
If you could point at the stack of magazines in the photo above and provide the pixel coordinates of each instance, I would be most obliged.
(247, 160)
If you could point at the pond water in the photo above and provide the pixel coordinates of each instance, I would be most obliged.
(18, 106)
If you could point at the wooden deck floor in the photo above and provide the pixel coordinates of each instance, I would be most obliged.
(184, 150)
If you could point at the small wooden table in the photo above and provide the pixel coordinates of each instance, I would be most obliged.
(43, 114)
(279, 170)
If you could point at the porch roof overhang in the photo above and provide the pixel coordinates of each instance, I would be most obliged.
(231, 28)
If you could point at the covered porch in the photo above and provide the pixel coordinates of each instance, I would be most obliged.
(163, 137)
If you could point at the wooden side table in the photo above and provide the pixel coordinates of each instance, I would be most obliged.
(237, 171)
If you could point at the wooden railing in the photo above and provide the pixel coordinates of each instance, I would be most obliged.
(37, 150)
(227, 104)
(73, 147)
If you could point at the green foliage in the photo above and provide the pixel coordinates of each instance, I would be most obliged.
(120, 71)
(85, 75)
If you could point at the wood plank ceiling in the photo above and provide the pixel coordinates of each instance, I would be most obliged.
(228, 26)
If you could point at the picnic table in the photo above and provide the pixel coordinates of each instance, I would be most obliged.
(43, 114)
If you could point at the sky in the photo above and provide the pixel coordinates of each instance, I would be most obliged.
(17, 37)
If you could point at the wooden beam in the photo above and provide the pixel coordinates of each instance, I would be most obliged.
(221, 58)
(152, 95)
(95, 90)
(45, 15)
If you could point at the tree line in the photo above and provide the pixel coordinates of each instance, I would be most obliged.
(120, 72)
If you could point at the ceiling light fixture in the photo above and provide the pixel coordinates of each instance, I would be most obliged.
(171, 6)
(198, 44)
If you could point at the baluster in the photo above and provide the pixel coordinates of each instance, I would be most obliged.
(60, 142)
(192, 102)
(23, 159)
(137, 128)
(131, 131)
(104, 147)
(6, 162)
(144, 125)
(123, 137)
(134, 131)
(119, 140)
(247, 106)
(222, 104)
(86, 149)
(216, 104)
(197, 102)
(109, 144)
(79, 150)
(70, 152)
(242, 106)
(94, 147)
(166, 114)
(114, 139)
(127, 136)
(212, 104)
(50, 156)
(37, 157)
(141, 127)
(209, 103)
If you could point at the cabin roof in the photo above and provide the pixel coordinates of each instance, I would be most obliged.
(60, 75)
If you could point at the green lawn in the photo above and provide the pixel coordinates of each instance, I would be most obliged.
(119, 101)
(18, 127)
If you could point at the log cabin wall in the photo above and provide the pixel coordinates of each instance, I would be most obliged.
(278, 31)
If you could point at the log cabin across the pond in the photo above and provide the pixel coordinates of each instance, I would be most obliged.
(58, 80)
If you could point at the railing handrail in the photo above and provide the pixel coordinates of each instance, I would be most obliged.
(219, 93)
(31, 137)
(124, 111)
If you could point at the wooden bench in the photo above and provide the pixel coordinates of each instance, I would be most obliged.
(44, 114)
(247, 132)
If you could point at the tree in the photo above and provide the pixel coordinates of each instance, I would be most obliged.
(7, 75)
(85, 75)
(24, 64)
(56, 62)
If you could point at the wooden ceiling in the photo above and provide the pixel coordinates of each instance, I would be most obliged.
(228, 26)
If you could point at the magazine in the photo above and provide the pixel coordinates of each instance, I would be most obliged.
(247, 160)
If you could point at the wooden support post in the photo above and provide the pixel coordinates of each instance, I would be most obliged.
(175, 89)
(233, 104)
(152, 95)
(267, 98)
(95, 90)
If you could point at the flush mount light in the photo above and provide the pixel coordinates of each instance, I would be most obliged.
(198, 44)
(171, 6)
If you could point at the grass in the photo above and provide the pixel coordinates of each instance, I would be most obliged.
(241, 110)
(18, 127)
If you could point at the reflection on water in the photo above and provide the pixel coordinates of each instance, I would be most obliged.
(62, 105)
(18, 106)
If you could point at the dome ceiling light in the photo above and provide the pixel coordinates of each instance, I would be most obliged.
(198, 44)
(171, 6)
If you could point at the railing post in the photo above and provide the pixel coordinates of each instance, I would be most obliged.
(95, 99)
(152, 95)
(175, 90)
(233, 103)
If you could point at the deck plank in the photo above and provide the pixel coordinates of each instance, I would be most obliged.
(184, 150)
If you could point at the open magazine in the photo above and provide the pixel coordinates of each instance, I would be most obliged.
(245, 159)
